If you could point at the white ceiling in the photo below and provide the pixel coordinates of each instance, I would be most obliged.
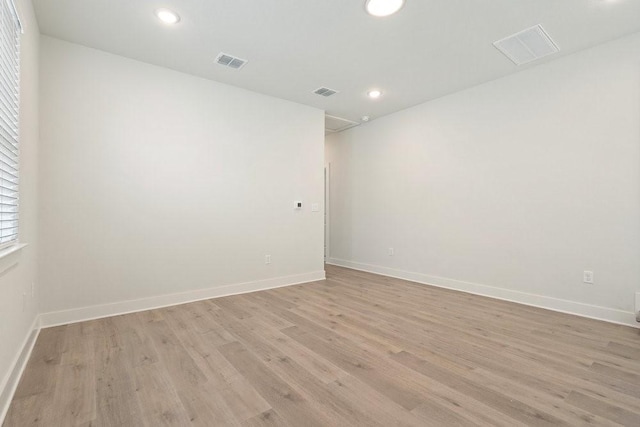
(429, 49)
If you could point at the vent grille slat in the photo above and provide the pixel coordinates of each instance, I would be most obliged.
(225, 60)
(527, 46)
(230, 61)
(236, 63)
(325, 91)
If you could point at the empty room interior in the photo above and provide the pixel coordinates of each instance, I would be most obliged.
(319, 213)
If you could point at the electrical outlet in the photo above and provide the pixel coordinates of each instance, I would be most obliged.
(267, 259)
(587, 277)
(391, 252)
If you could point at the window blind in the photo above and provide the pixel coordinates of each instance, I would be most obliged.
(9, 104)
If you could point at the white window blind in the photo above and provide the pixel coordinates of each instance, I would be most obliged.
(9, 95)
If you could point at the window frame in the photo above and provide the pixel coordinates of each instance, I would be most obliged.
(6, 64)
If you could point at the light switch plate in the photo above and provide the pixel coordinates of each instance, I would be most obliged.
(315, 207)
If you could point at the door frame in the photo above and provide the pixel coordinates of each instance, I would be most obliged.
(327, 206)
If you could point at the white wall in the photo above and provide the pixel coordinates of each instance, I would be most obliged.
(18, 270)
(154, 182)
(510, 189)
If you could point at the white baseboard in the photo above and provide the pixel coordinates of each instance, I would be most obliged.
(11, 380)
(564, 306)
(123, 307)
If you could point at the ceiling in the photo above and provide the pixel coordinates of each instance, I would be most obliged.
(429, 49)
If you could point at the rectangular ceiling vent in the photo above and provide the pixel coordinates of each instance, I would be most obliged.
(230, 61)
(528, 45)
(334, 124)
(325, 91)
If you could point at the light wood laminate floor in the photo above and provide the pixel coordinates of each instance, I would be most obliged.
(354, 350)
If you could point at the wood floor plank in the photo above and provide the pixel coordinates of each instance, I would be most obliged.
(400, 384)
(382, 409)
(354, 349)
(116, 400)
(540, 400)
(432, 414)
(134, 340)
(200, 398)
(498, 354)
(610, 372)
(280, 395)
(42, 369)
(75, 393)
(173, 355)
(312, 388)
(268, 418)
(502, 402)
(607, 410)
(158, 397)
(29, 411)
(321, 368)
(224, 386)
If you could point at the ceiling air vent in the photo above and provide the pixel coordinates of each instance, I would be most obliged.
(334, 124)
(230, 61)
(528, 45)
(325, 91)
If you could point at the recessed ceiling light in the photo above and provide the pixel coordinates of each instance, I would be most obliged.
(167, 16)
(383, 7)
(374, 94)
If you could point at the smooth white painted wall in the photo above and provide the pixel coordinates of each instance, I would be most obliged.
(155, 182)
(521, 183)
(18, 270)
